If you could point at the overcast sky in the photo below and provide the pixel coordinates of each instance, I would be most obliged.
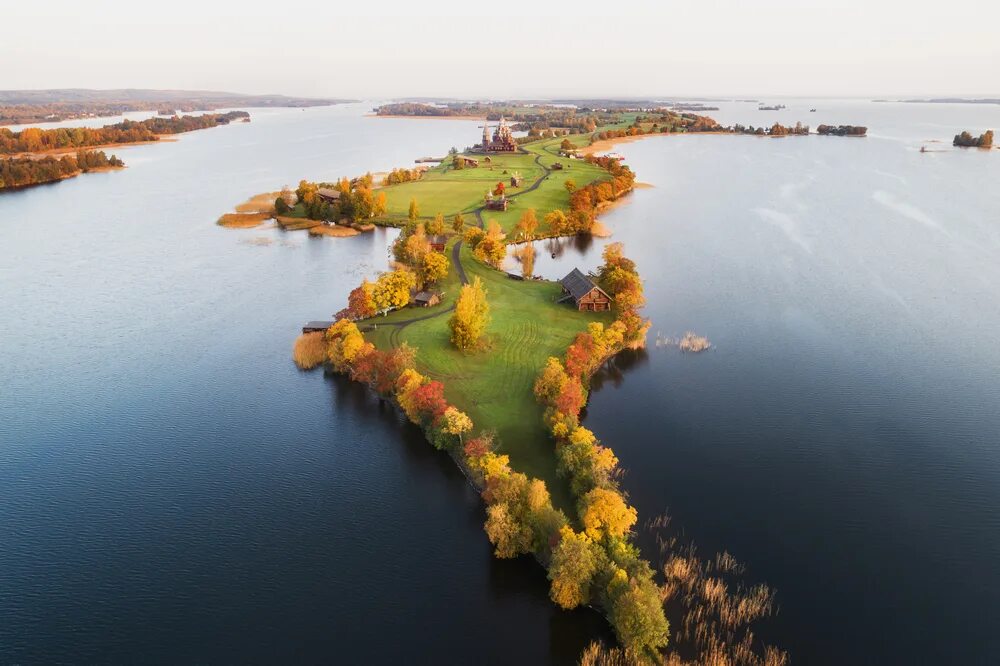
(513, 49)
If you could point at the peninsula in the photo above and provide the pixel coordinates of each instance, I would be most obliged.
(495, 368)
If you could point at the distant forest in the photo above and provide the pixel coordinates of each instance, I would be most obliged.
(34, 139)
(24, 171)
(33, 106)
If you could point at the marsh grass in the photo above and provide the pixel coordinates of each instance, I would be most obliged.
(309, 350)
(716, 607)
(693, 343)
(242, 220)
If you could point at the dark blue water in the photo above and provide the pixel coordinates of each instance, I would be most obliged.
(172, 489)
(843, 437)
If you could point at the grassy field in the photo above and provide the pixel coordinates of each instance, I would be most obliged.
(495, 386)
(447, 190)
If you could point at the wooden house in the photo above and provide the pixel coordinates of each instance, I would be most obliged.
(496, 203)
(557, 166)
(584, 293)
(426, 299)
(516, 180)
(328, 195)
(438, 241)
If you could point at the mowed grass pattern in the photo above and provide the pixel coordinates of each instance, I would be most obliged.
(495, 385)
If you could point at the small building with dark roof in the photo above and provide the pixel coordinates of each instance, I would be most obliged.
(437, 241)
(425, 299)
(317, 326)
(584, 293)
(328, 195)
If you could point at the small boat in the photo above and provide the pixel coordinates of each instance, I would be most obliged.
(812, 110)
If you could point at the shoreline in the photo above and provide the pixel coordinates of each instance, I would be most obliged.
(416, 117)
(51, 152)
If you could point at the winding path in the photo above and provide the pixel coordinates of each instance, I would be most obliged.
(456, 261)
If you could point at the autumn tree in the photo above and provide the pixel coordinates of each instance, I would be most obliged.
(436, 226)
(455, 422)
(527, 224)
(433, 267)
(392, 290)
(509, 536)
(492, 249)
(570, 185)
(381, 205)
(414, 211)
(636, 613)
(604, 513)
(471, 316)
(557, 222)
(574, 563)
(458, 223)
(361, 301)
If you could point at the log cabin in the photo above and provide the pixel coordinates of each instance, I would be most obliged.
(584, 293)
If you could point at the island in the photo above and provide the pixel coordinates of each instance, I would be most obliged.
(495, 366)
(842, 130)
(34, 140)
(18, 172)
(966, 140)
(39, 106)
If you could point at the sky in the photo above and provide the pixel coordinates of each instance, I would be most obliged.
(462, 49)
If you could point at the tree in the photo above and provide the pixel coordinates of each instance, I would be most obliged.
(604, 513)
(509, 537)
(636, 613)
(433, 267)
(436, 227)
(280, 207)
(573, 566)
(527, 224)
(471, 316)
(455, 422)
(360, 302)
(570, 185)
(458, 223)
(550, 382)
(381, 205)
(557, 222)
(414, 212)
(392, 290)
(566, 144)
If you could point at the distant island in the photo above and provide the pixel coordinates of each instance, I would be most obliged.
(18, 172)
(966, 140)
(33, 140)
(945, 100)
(842, 130)
(19, 107)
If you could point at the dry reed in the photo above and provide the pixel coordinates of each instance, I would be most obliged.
(242, 220)
(716, 610)
(309, 350)
(694, 343)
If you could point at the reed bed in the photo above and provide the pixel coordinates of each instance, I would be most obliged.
(242, 220)
(309, 350)
(717, 610)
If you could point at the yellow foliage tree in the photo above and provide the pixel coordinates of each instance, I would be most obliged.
(574, 563)
(456, 422)
(527, 224)
(471, 316)
(604, 513)
(392, 290)
(414, 212)
(433, 267)
(557, 222)
(436, 226)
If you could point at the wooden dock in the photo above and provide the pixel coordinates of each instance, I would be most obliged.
(317, 326)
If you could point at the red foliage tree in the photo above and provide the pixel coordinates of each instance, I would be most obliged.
(429, 402)
(572, 397)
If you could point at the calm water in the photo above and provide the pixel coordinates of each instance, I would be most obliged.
(843, 439)
(172, 489)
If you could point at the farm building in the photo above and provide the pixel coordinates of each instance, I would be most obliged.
(328, 195)
(470, 162)
(438, 241)
(557, 166)
(496, 203)
(585, 294)
(425, 299)
(516, 180)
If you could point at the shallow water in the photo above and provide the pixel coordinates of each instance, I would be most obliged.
(174, 490)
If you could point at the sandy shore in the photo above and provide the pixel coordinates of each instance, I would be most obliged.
(608, 144)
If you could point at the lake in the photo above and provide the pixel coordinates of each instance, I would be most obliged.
(174, 490)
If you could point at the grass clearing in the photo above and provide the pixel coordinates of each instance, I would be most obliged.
(495, 386)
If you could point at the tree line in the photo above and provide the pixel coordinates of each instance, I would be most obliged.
(25, 171)
(35, 139)
(842, 130)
